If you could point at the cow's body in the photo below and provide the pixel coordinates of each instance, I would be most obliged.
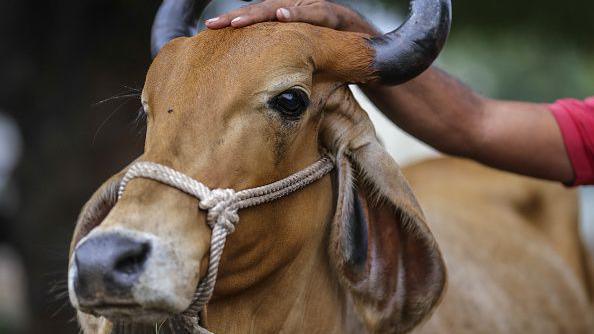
(511, 245)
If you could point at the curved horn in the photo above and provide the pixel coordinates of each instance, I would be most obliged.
(409, 50)
(175, 18)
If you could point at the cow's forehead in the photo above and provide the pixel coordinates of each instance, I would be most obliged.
(255, 40)
(223, 66)
(262, 44)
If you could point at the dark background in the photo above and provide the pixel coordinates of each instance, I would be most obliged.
(58, 59)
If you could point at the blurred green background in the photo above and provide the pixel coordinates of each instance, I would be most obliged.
(524, 49)
(59, 59)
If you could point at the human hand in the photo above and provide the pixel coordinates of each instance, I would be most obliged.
(318, 12)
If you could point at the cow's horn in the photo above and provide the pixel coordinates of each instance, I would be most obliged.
(410, 49)
(175, 18)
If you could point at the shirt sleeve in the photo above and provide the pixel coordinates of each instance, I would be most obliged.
(576, 121)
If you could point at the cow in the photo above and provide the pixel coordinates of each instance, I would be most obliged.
(347, 251)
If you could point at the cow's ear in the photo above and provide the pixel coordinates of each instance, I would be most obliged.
(98, 206)
(96, 209)
(91, 215)
(381, 248)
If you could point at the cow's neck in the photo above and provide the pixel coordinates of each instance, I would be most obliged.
(274, 274)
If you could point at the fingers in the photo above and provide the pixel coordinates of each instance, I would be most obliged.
(260, 12)
(327, 14)
(217, 22)
(320, 13)
(316, 12)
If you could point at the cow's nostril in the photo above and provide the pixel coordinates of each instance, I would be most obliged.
(108, 266)
(133, 262)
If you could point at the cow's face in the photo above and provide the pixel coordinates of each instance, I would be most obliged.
(233, 109)
(242, 108)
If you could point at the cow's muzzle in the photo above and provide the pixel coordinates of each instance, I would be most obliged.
(107, 267)
(124, 275)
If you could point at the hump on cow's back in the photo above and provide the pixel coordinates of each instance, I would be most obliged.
(511, 244)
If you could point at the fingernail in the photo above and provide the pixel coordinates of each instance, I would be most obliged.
(213, 20)
(236, 20)
(284, 13)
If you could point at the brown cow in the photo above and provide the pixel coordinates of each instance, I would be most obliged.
(243, 108)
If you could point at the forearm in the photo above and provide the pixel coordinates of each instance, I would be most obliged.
(524, 138)
(435, 108)
(515, 136)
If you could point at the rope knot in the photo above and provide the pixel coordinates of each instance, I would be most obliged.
(221, 210)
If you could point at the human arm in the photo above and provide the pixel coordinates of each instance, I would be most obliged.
(518, 137)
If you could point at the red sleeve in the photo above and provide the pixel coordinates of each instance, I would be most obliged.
(576, 121)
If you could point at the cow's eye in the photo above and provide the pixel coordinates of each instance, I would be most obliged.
(291, 103)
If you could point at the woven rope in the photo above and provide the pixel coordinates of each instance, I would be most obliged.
(222, 206)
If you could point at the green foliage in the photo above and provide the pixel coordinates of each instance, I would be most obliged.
(572, 19)
(520, 66)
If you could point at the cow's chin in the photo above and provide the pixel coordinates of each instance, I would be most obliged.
(128, 314)
(165, 287)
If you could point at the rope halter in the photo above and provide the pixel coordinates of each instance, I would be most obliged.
(222, 206)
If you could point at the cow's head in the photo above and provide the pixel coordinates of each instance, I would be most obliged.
(242, 108)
